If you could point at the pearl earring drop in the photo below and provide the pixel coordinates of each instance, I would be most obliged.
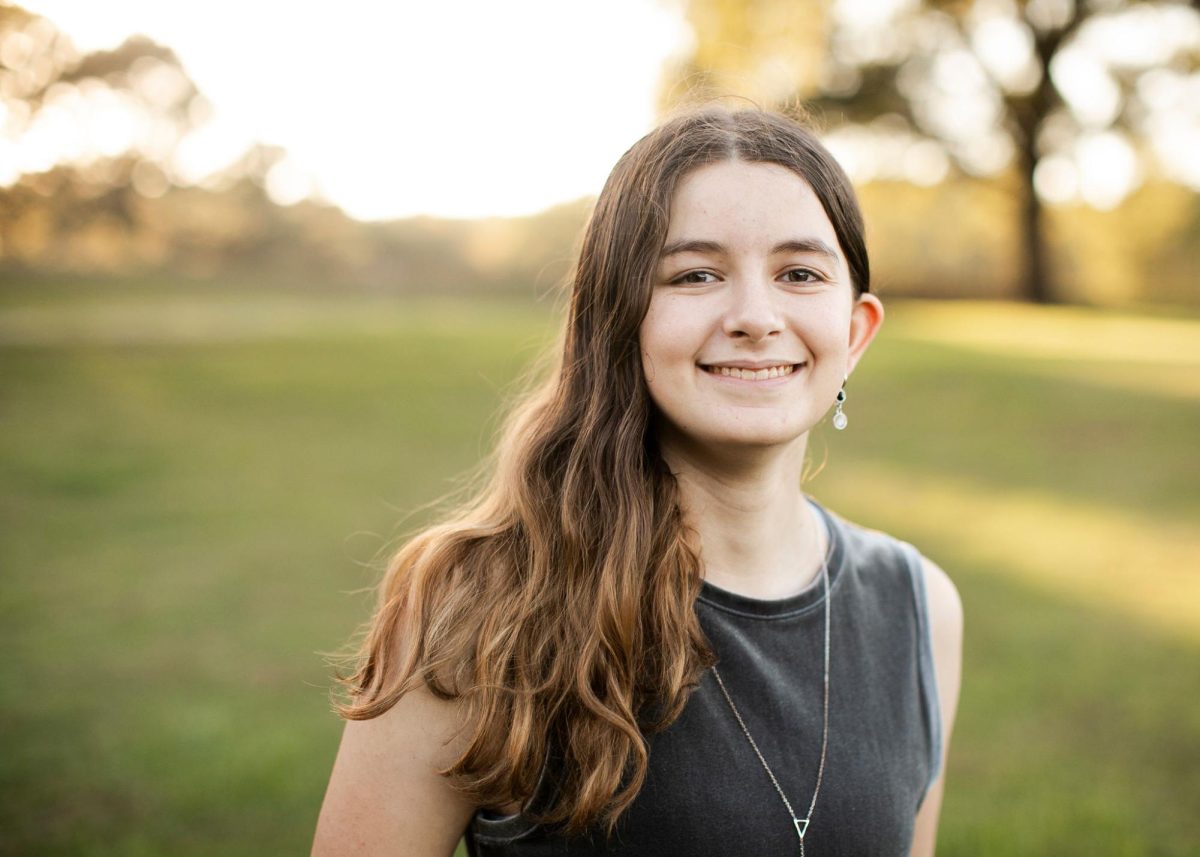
(839, 417)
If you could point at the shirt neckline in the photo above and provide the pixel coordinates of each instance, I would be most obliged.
(811, 597)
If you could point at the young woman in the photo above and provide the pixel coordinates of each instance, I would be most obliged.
(643, 638)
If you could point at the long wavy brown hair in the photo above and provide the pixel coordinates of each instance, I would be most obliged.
(557, 605)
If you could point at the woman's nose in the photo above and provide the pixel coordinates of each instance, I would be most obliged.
(752, 312)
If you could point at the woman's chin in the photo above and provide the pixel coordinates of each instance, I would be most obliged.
(743, 438)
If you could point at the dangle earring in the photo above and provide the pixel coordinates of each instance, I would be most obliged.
(839, 418)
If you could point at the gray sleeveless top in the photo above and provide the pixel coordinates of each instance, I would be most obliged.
(706, 793)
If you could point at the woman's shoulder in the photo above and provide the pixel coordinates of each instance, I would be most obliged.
(945, 610)
(863, 547)
(387, 793)
(878, 557)
(869, 549)
(943, 601)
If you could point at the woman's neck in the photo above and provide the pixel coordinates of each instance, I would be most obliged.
(759, 536)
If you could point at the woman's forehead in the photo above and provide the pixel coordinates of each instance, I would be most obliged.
(750, 204)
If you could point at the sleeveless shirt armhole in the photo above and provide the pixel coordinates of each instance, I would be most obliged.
(486, 828)
(928, 674)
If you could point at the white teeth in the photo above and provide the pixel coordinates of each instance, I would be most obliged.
(752, 374)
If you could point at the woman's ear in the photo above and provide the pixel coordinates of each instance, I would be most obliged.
(865, 320)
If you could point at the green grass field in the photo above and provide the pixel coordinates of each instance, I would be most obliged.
(195, 491)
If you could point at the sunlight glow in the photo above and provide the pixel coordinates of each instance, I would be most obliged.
(1083, 80)
(1056, 179)
(1084, 550)
(1108, 168)
(463, 109)
(1006, 48)
(471, 108)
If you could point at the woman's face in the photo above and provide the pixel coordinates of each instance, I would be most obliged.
(753, 323)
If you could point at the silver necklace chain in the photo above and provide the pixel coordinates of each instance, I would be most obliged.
(800, 823)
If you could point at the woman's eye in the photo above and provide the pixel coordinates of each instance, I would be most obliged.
(696, 277)
(802, 275)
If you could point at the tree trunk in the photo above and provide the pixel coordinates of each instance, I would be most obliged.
(1028, 113)
(1035, 284)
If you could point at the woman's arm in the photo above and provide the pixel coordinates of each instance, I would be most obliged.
(385, 795)
(946, 625)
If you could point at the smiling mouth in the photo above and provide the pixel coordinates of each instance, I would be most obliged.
(762, 374)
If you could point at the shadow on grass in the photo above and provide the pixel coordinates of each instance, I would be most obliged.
(1077, 734)
(1006, 426)
(174, 559)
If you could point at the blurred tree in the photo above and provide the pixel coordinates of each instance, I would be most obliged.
(982, 84)
(83, 136)
(41, 72)
(766, 50)
(77, 198)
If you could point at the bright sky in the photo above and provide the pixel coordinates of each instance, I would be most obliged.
(459, 108)
(469, 108)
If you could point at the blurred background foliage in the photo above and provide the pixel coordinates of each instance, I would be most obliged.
(112, 215)
(988, 165)
(995, 108)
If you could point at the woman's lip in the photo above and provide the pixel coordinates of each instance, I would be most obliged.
(706, 369)
(753, 365)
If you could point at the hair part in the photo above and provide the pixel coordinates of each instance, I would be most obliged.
(557, 605)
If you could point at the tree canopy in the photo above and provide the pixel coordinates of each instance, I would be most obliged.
(1050, 90)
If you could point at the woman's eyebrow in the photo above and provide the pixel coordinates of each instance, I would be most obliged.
(796, 245)
(806, 245)
(691, 247)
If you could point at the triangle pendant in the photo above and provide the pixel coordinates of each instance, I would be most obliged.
(801, 827)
